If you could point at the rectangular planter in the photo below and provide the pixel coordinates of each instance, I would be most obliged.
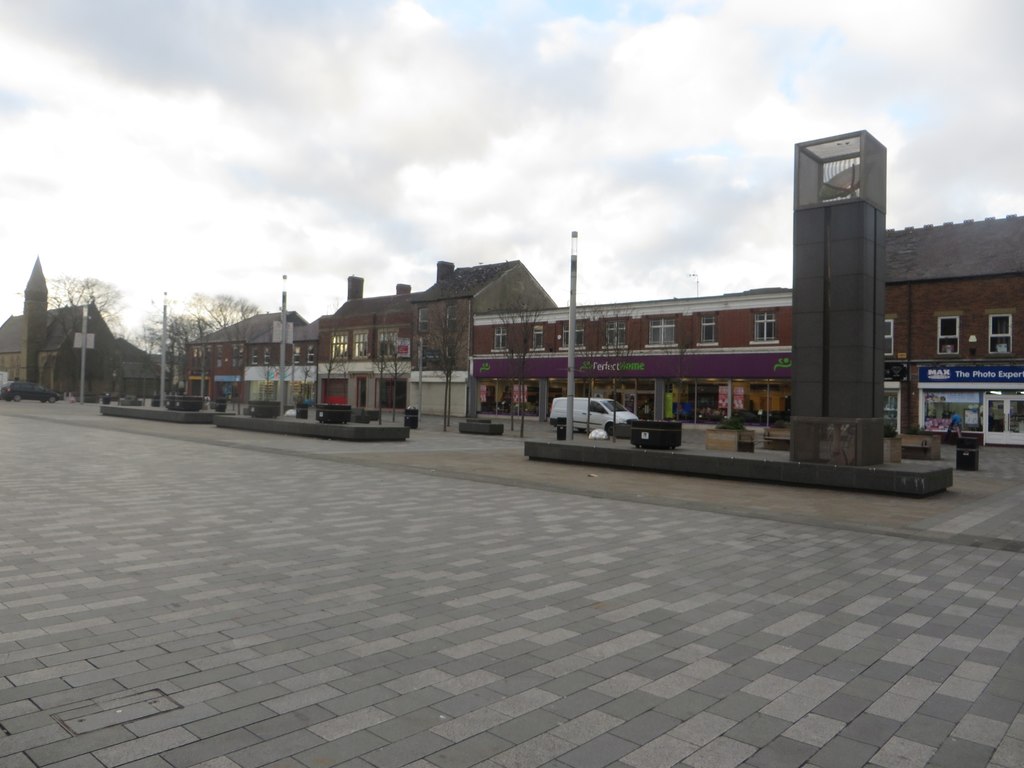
(264, 409)
(656, 434)
(740, 440)
(184, 403)
(892, 450)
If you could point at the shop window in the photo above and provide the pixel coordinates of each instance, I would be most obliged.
(360, 343)
(999, 336)
(949, 335)
(708, 329)
(615, 334)
(500, 337)
(662, 331)
(764, 326)
(887, 340)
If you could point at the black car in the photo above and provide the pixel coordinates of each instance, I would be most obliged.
(26, 390)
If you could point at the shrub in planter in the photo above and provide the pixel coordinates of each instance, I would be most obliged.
(730, 435)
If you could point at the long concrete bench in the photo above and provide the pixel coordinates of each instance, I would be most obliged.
(481, 427)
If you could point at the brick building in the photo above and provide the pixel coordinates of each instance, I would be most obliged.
(242, 362)
(697, 359)
(953, 343)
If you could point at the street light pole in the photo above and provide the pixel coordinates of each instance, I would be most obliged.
(284, 337)
(85, 343)
(163, 355)
(571, 342)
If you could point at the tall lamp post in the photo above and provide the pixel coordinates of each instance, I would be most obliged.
(85, 343)
(284, 338)
(571, 341)
(163, 354)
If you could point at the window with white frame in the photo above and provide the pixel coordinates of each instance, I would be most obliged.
(579, 335)
(387, 342)
(339, 346)
(708, 329)
(999, 334)
(296, 354)
(615, 334)
(764, 326)
(538, 337)
(266, 355)
(311, 354)
(422, 321)
(360, 343)
(949, 335)
(255, 357)
(888, 338)
(662, 331)
(500, 337)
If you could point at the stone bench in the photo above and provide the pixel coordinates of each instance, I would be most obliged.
(481, 427)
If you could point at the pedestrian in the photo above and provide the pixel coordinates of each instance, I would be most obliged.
(955, 425)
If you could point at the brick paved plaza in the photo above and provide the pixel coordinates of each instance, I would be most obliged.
(178, 595)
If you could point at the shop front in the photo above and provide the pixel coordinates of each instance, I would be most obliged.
(988, 398)
(695, 387)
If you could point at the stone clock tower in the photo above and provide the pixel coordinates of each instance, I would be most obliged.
(838, 300)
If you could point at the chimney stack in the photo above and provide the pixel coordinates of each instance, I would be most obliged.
(402, 289)
(445, 269)
(355, 287)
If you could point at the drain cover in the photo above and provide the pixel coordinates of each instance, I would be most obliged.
(125, 708)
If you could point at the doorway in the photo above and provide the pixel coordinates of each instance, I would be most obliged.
(1004, 422)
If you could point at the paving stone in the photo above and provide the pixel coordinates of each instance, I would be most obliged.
(456, 626)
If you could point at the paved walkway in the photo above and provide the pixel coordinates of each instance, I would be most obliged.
(176, 595)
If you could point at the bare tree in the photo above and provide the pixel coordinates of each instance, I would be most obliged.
(66, 291)
(221, 311)
(390, 362)
(519, 321)
(202, 315)
(605, 358)
(446, 343)
(338, 356)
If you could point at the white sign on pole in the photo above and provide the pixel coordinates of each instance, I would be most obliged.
(90, 340)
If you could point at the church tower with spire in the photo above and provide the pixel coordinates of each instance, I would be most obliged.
(34, 327)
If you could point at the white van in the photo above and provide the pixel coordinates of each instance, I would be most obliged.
(591, 413)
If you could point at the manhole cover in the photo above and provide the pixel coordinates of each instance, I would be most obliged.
(125, 708)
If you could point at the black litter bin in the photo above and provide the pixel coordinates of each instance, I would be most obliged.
(656, 434)
(560, 429)
(967, 453)
(412, 418)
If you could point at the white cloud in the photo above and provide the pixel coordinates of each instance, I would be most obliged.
(193, 146)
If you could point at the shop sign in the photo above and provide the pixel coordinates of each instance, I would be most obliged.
(973, 374)
(613, 366)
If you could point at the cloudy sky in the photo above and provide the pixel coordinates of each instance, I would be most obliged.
(187, 146)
